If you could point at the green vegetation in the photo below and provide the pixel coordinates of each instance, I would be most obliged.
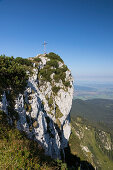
(37, 59)
(51, 67)
(13, 80)
(55, 89)
(99, 111)
(99, 119)
(106, 137)
(13, 74)
(58, 113)
(89, 138)
(23, 61)
(74, 143)
(50, 102)
(60, 75)
(19, 152)
(67, 84)
(52, 63)
(54, 57)
(45, 73)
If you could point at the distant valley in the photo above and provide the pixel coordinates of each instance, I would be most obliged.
(91, 91)
(96, 110)
(92, 124)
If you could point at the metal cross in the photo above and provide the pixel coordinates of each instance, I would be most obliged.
(44, 44)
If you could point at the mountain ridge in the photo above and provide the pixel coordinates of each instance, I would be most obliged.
(43, 89)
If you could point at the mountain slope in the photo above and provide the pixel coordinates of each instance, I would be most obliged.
(91, 144)
(96, 110)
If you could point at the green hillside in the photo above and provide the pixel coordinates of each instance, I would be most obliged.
(87, 143)
(97, 110)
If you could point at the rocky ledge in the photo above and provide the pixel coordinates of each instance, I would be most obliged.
(44, 107)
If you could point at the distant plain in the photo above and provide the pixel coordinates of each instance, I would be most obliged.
(94, 102)
(93, 91)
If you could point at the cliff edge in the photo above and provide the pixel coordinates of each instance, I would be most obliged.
(42, 109)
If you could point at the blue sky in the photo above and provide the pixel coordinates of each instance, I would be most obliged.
(80, 31)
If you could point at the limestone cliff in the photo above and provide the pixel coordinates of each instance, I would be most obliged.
(43, 109)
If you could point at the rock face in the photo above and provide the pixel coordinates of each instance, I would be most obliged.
(44, 107)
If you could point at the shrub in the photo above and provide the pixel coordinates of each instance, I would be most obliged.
(37, 59)
(60, 74)
(64, 68)
(56, 78)
(23, 61)
(55, 89)
(45, 73)
(67, 83)
(64, 166)
(47, 66)
(53, 63)
(54, 56)
(12, 75)
(63, 76)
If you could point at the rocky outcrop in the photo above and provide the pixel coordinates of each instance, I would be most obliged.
(43, 110)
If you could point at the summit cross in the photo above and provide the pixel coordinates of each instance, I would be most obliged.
(44, 44)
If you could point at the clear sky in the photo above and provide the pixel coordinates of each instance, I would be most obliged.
(80, 31)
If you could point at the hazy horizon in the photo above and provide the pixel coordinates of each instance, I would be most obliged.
(91, 80)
